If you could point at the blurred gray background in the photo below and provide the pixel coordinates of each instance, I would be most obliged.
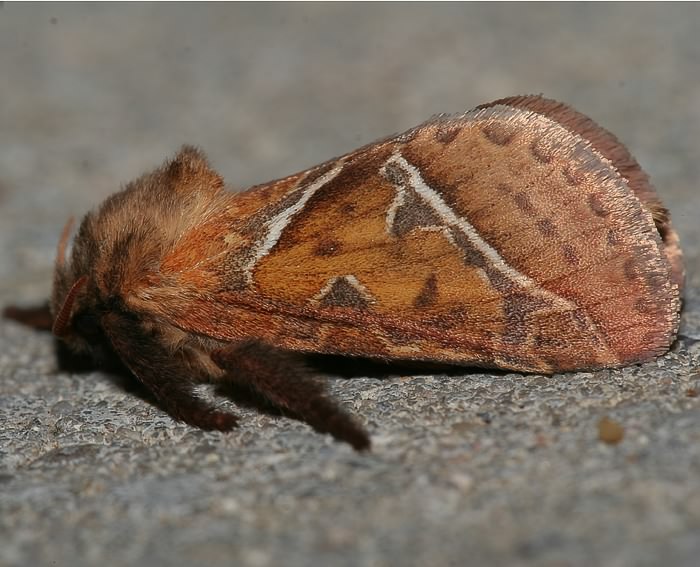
(498, 469)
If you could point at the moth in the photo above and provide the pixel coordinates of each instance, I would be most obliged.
(520, 235)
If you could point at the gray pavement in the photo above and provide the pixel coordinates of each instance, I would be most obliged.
(467, 469)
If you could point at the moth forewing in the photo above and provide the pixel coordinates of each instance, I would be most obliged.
(498, 238)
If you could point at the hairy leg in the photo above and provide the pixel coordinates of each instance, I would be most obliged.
(168, 378)
(282, 379)
(38, 318)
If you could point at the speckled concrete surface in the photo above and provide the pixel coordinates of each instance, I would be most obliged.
(497, 469)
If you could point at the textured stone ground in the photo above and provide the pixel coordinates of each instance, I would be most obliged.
(498, 469)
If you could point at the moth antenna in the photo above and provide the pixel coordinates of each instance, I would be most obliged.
(63, 243)
(61, 323)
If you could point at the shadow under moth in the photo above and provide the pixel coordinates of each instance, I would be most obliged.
(520, 235)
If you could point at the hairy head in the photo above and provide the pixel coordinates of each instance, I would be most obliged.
(121, 242)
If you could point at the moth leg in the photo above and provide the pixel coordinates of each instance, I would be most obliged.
(38, 318)
(282, 379)
(166, 376)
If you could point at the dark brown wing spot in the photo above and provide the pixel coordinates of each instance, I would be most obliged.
(347, 208)
(305, 330)
(541, 152)
(470, 254)
(343, 293)
(573, 177)
(570, 254)
(498, 134)
(630, 269)
(596, 205)
(396, 175)
(612, 238)
(328, 247)
(503, 188)
(499, 282)
(428, 294)
(522, 200)
(518, 308)
(547, 227)
(643, 305)
(446, 134)
(413, 213)
(580, 320)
